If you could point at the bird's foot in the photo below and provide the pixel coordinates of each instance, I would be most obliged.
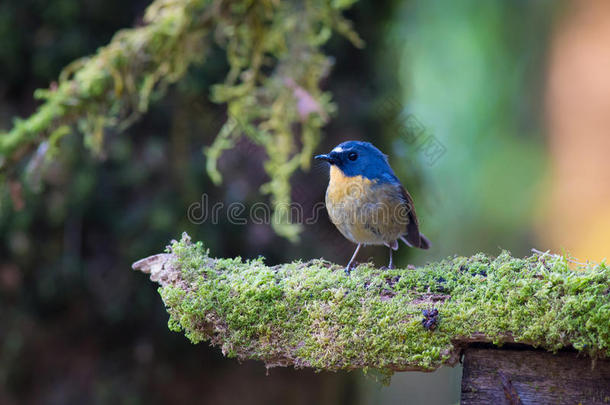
(350, 266)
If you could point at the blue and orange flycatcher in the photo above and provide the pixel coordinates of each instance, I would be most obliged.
(366, 201)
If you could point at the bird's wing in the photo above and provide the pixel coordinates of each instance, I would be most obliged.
(413, 235)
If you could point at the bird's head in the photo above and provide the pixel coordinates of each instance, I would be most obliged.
(356, 158)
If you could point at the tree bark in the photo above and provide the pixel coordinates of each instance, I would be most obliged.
(493, 376)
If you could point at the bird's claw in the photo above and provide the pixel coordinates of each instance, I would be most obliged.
(350, 266)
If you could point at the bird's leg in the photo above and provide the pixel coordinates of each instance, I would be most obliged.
(348, 268)
(391, 264)
(393, 245)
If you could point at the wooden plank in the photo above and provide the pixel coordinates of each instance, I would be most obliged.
(496, 376)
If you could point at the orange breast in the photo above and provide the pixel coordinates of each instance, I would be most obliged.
(363, 210)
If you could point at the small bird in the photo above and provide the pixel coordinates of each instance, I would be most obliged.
(366, 201)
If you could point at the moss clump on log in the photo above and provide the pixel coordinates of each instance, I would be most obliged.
(310, 314)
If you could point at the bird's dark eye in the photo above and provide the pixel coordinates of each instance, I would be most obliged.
(352, 156)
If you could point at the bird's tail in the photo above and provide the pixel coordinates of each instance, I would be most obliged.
(424, 243)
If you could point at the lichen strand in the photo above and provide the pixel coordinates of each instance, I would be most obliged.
(272, 90)
(313, 315)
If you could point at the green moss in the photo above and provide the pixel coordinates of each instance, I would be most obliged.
(313, 315)
(273, 48)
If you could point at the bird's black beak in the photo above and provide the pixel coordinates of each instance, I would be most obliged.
(327, 158)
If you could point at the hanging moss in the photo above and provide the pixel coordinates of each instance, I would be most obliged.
(311, 314)
(271, 91)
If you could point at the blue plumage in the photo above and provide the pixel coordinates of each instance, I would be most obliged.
(371, 162)
(367, 202)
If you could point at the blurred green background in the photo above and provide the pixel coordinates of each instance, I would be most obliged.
(474, 79)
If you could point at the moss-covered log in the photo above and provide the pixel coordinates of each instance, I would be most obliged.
(311, 314)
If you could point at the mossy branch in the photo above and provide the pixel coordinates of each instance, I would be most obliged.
(114, 86)
(272, 90)
(310, 314)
